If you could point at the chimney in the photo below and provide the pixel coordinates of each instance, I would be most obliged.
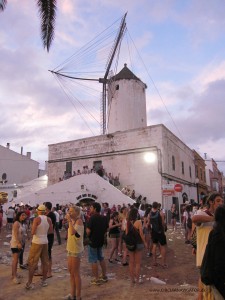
(205, 155)
(8, 145)
(29, 154)
(21, 150)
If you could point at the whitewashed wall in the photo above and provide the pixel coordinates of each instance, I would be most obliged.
(126, 106)
(19, 168)
(123, 152)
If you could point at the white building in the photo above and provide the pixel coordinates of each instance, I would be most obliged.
(149, 159)
(16, 167)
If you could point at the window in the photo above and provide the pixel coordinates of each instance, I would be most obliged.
(69, 167)
(190, 171)
(201, 173)
(97, 165)
(182, 167)
(173, 163)
(117, 87)
(196, 171)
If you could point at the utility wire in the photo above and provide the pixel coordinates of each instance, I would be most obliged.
(156, 89)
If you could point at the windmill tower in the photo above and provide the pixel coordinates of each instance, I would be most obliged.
(126, 102)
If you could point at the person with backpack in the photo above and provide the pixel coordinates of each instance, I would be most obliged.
(158, 234)
(134, 229)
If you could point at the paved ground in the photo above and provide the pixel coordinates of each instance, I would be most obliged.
(181, 276)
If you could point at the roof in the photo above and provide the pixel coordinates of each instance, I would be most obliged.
(125, 73)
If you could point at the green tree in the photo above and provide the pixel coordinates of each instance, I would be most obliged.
(47, 10)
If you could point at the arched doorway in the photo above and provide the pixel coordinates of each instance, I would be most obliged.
(86, 199)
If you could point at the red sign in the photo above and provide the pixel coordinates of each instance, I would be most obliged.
(178, 187)
(168, 192)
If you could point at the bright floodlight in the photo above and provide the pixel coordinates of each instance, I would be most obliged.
(150, 157)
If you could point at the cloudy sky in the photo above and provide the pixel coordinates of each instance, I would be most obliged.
(176, 47)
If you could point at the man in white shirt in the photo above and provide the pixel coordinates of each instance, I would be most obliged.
(57, 225)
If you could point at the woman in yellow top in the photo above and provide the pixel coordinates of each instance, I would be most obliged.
(74, 250)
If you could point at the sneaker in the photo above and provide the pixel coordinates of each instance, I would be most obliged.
(96, 281)
(69, 297)
(43, 283)
(159, 256)
(103, 278)
(16, 280)
(140, 281)
(149, 254)
(24, 267)
(125, 264)
(120, 254)
(29, 286)
(111, 261)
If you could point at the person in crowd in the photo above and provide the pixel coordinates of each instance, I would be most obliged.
(57, 225)
(215, 256)
(61, 217)
(135, 256)
(74, 251)
(204, 223)
(33, 215)
(174, 215)
(1, 218)
(122, 246)
(10, 213)
(156, 219)
(114, 234)
(16, 243)
(117, 181)
(25, 233)
(39, 247)
(96, 230)
(147, 231)
(106, 211)
(141, 211)
(50, 214)
(187, 222)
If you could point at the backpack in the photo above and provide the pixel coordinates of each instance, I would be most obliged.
(130, 238)
(189, 222)
(156, 222)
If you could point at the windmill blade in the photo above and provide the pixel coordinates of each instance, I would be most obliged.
(104, 80)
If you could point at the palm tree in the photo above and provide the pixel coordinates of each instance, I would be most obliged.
(47, 11)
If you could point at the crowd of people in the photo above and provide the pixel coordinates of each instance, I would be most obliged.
(204, 226)
(114, 180)
(94, 223)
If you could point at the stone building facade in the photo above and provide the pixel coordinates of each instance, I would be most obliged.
(126, 153)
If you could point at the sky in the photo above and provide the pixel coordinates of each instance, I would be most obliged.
(176, 47)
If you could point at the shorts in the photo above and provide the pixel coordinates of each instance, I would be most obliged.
(139, 247)
(159, 238)
(9, 220)
(146, 230)
(38, 251)
(72, 254)
(50, 244)
(114, 235)
(15, 250)
(95, 254)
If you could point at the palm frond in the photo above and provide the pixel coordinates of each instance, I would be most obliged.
(3, 4)
(47, 10)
